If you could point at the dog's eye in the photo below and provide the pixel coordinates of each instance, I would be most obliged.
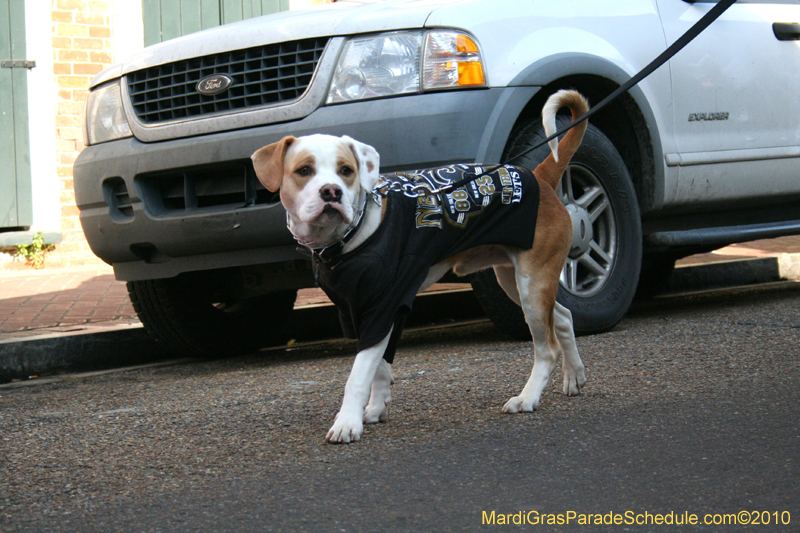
(346, 171)
(304, 171)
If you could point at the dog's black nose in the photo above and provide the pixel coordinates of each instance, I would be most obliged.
(331, 193)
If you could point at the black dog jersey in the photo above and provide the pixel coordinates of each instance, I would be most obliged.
(374, 285)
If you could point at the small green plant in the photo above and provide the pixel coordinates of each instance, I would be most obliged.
(34, 253)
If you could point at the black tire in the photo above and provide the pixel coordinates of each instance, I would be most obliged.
(186, 316)
(655, 275)
(601, 275)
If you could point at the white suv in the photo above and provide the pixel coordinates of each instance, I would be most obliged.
(702, 153)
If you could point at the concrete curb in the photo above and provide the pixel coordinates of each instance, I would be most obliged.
(89, 348)
(102, 347)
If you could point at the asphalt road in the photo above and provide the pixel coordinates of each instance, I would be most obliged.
(692, 408)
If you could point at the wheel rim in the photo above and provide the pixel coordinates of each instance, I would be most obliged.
(594, 232)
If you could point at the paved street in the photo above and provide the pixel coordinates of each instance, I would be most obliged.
(692, 406)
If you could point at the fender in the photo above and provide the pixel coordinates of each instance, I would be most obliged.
(568, 64)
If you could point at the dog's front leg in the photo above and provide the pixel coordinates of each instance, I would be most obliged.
(349, 424)
(378, 406)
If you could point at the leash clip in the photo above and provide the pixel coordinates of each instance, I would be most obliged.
(422, 190)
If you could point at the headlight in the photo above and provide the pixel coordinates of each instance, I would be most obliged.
(406, 62)
(104, 117)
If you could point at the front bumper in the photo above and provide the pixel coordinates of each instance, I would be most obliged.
(155, 210)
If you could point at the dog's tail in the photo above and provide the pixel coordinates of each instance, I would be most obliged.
(552, 168)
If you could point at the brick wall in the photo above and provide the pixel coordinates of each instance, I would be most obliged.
(81, 40)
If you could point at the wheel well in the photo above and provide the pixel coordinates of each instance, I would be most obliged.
(621, 121)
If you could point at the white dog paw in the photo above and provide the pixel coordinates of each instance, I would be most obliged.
(518, 404)
(574, 380)
(376, 413)
(345, 430)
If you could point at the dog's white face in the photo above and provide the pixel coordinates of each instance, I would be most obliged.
(322, 179)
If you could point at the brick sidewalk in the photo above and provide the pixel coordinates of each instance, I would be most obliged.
(34, 302)
(762, 248)
(31, 300)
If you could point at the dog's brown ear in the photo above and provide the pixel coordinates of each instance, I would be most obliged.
(369, 162)
(268, 163)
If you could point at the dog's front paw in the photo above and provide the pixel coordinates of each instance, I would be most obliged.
(518, 404)
(345, 430)
(574, 380)
(376, 413)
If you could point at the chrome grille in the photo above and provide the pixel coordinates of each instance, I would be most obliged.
(262, 76)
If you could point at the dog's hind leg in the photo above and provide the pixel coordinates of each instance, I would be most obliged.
(378, 406)
(537, 297)
(507, 279)
(572, 366)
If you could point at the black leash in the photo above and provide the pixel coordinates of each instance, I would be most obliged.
(712, 15)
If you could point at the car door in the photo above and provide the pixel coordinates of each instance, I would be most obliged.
(735, 108)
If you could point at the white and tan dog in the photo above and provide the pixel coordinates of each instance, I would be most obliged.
(325, 183)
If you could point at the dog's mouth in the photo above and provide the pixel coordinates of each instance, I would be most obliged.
(324, 222)
(331, 213)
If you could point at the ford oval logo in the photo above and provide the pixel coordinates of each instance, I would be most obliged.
(214, 84)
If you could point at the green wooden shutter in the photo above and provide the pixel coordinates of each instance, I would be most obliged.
(167, 19)
(16, 204)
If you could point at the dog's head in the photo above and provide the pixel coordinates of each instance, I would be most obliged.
(322, 181)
